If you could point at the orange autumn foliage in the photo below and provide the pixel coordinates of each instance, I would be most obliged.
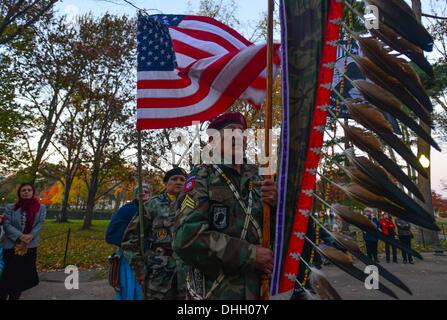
(52, 195)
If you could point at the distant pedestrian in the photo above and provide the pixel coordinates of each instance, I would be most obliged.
(405, 236)
(128, 288)
(371, 242)
(389, 229)
(22, 225)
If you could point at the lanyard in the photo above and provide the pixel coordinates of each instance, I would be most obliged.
(247, 210)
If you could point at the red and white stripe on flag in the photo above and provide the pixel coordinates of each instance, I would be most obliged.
(193, 68)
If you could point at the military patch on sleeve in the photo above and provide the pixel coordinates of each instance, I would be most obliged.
(219, 217)
(188, 202)
(162, 234)
(189, 184)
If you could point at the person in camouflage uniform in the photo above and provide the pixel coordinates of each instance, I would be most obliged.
(218, 228)
(160, 270)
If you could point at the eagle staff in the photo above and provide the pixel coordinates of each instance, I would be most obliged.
(268, 127)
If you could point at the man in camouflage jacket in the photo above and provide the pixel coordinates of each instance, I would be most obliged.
(160, 270)
(225, 259)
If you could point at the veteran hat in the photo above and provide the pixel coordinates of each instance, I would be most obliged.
(174, 172)
(226, 119)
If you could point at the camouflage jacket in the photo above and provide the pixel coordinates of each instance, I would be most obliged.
(208, 228)
(159, 267)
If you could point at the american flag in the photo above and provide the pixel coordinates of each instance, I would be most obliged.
(192, 68)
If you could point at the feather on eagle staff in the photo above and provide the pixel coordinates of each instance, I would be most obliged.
(353, 248)
(375, 175)
(399, 16)
(388, 82)
(397, 67)
(372, 119)
(366, 197)
(387, 103)
(404, 46)
(345, 263)
(369, 144)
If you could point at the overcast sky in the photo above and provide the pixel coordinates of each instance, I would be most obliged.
(248, 12)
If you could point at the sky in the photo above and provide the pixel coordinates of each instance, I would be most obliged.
(248, 11)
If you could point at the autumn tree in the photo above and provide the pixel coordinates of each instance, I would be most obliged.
(10, 119)
(16, 16)
(439, 203)
(110, 130)
(50, 74)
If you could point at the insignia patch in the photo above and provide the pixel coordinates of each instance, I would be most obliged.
(188, 202)
(189, 184)
(162, 234)
(219, 218)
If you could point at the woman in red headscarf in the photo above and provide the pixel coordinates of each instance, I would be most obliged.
(22, 225)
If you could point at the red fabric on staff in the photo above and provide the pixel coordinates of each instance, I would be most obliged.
(305, 200)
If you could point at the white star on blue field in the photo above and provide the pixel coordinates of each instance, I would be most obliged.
(155, 51)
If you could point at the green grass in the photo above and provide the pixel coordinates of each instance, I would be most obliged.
(86, 248)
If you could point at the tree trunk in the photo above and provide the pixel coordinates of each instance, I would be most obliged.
(430, 237)
(33, 170)
(91, 199)
(63, 217)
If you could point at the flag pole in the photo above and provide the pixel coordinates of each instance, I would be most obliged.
(140, 204)
(265, 283)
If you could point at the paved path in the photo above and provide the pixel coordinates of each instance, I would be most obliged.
(427, 279)
(52, 287)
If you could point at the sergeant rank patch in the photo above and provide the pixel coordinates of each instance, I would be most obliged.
(188, 202)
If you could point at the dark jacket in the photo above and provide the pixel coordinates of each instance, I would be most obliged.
(369, 237)
(120, 221)
(403, 228)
